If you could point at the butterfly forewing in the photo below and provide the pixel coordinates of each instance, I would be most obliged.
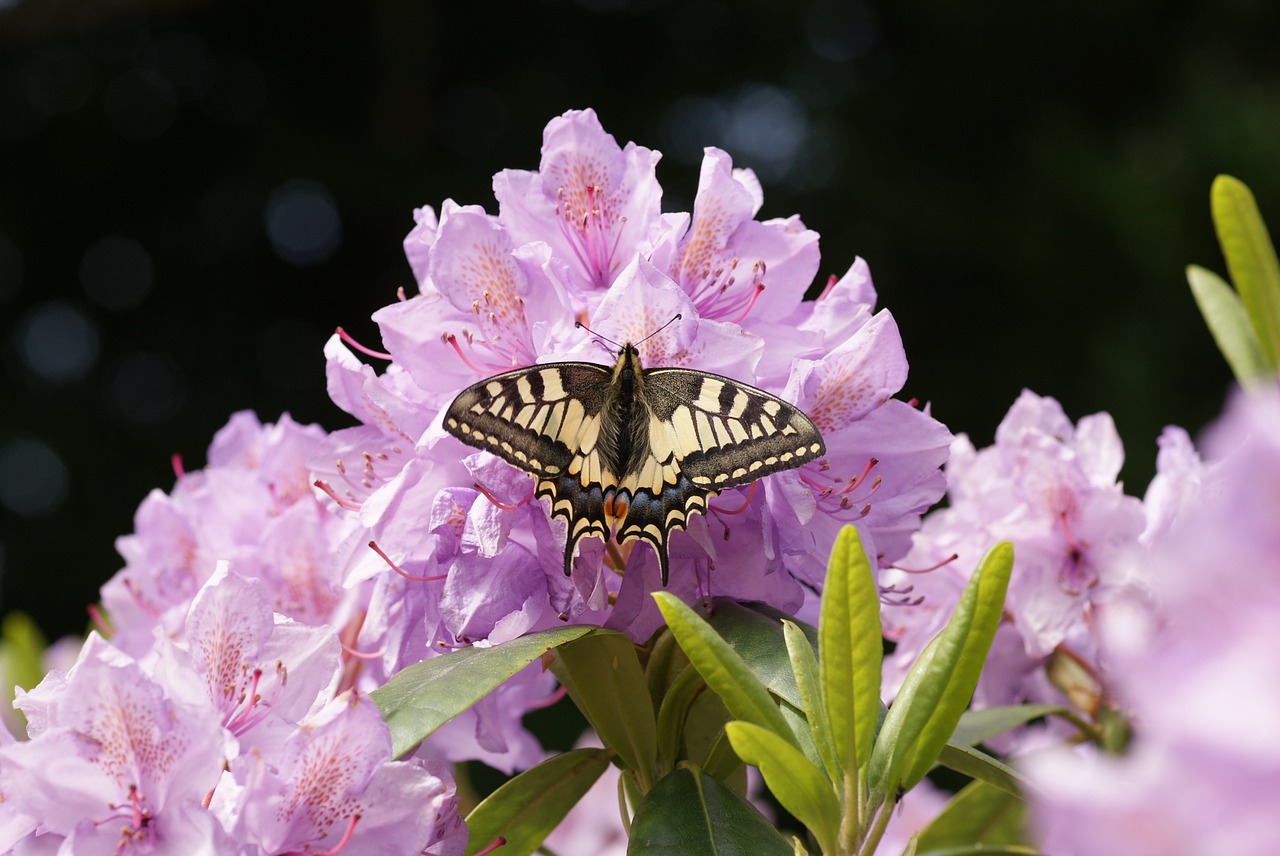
(726, 433)
(538, 419)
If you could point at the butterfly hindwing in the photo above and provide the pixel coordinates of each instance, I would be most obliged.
(545, 420)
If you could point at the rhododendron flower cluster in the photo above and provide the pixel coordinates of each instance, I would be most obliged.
(583, 240)
(1049, 487)
(1199, 675)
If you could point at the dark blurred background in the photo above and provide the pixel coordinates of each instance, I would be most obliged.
(195, 194)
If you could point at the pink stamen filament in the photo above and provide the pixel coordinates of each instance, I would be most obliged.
(560, 693)
(932, 567)
(350, 506)
(751, 301)
(99, 621)
(138, 818)
(497, 842)
(452, 341)
(504, 506)
(894, 596)
(335, 849)
(363, 655)
(746, 502)
(350, 340)
(175, 460)
(831, 283)
(259, 707)
(147, 608)
(373, 545)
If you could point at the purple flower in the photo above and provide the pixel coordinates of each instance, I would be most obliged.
(591, 202)
(253, 505)
(1199, 677)
(114, 759)
(1050, 488)
(333, 787)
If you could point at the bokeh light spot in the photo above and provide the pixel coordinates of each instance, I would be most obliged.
(57, 343)
(302, 223)
(116, 272)
(33, 478)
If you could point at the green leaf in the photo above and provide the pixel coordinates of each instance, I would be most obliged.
(939, 685)
(674, 713)
(420, 698)
(1251, 259)
(978, 813)
(1229, 324)
(756, 635)
(722, 669)
(850, 650)
(799, 786)
(805, 668)
(976, 726)
(526, 808)
(979, 765)
(607, 684)
(690, 812)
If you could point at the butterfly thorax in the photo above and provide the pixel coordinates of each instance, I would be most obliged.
(624, 423)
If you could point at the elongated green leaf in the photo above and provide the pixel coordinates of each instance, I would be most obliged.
(850, 650)
(422, 697)
(979, 765)
(805, 667)
(722, 669)
(676, 705)
(755, 633)
(978, 813)
(690, 812)
(606, 683)
(525, 809)
(976, 726)
(1229, 324)
(939, 685)
(800, 787)
(1251, 259)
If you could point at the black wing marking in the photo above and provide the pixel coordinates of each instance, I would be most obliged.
(725, 433)
(706, 433)
(536, 418)
(546, 420)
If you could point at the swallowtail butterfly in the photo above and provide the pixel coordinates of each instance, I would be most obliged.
(631, 451)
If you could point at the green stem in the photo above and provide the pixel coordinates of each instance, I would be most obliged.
(872, 840)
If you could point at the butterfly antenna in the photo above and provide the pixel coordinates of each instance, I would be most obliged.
(673, 320)
(597, 335)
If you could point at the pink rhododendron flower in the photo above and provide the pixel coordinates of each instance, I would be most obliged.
(1200, 680)
(333, 788)
(114, 760)
(253, 505)
(1050, 488)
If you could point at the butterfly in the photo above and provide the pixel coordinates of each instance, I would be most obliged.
(631, 451)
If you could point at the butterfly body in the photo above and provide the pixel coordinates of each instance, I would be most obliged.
(629, 451)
